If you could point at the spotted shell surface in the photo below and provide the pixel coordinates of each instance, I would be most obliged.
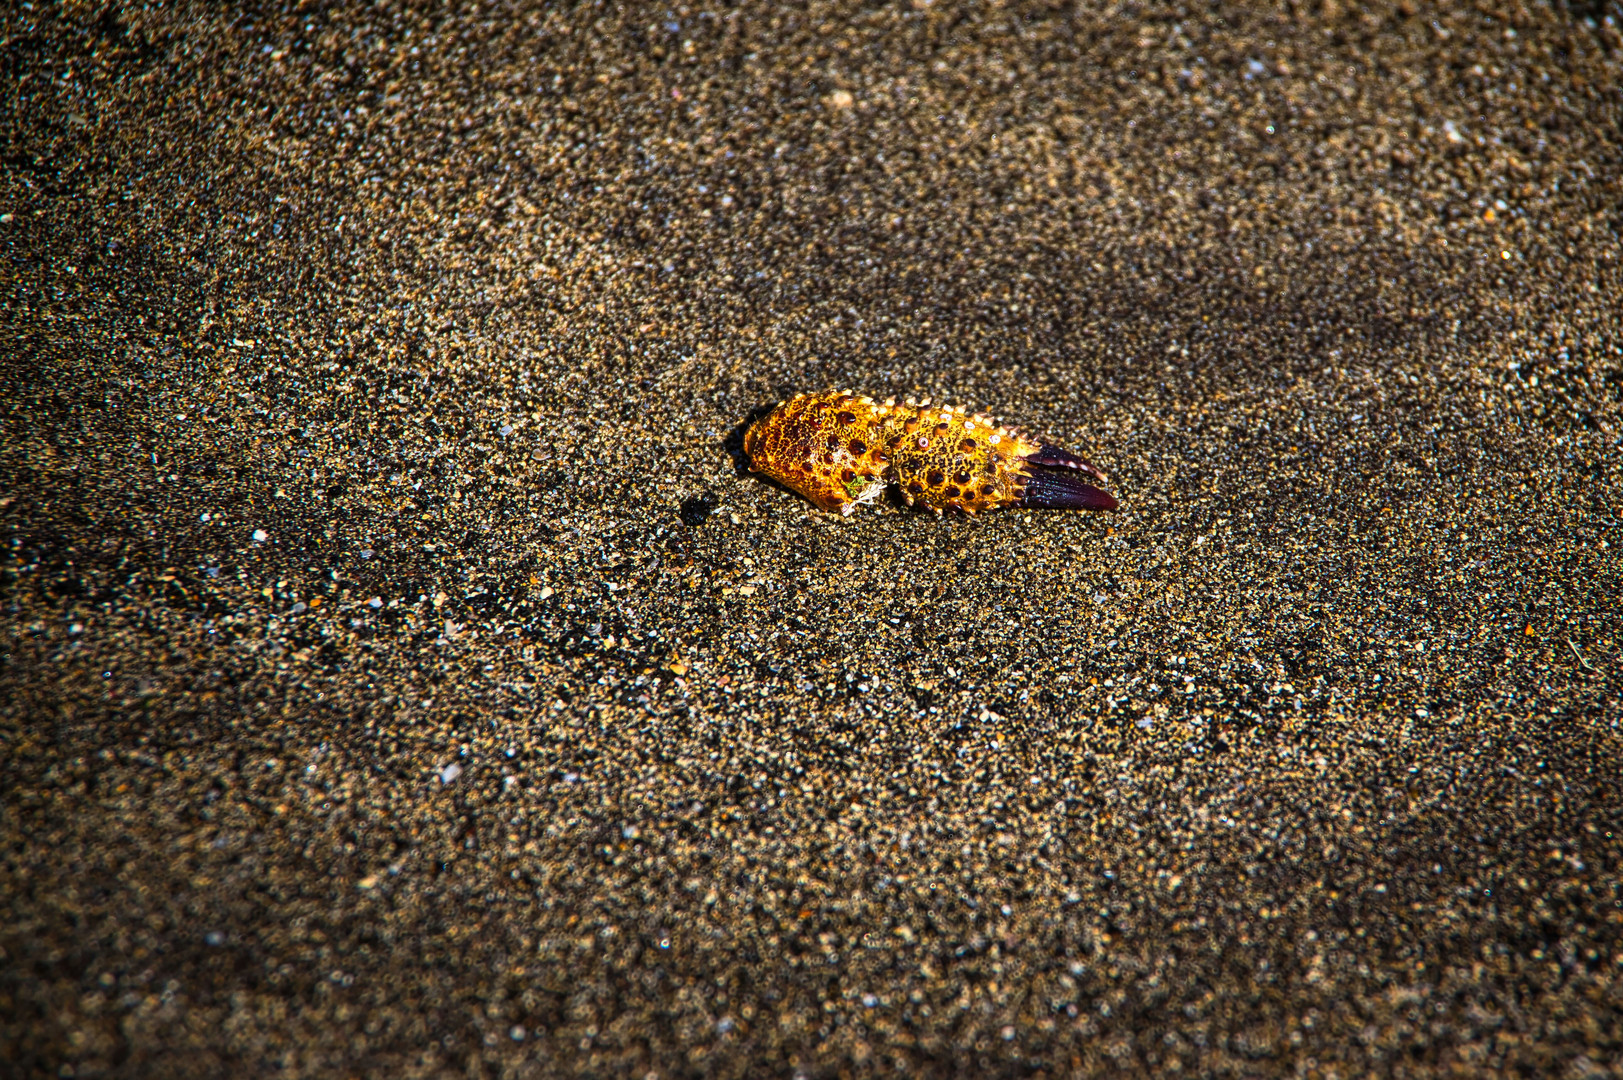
(841, 449)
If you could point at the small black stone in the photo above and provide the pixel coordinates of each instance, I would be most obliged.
(696, 508)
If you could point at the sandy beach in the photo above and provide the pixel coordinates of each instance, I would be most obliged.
(401, 672)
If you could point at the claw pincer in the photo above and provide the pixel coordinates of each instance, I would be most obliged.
(840, 449)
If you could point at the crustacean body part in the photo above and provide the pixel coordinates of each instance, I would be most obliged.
(841, 449)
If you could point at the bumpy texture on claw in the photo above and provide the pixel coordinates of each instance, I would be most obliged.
(839, 449)
(822, 446)
(1053, 455)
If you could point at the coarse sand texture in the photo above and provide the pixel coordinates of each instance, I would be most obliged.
(404, 673)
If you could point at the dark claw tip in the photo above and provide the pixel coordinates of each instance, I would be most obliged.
(1054, 457)
(1061, 488)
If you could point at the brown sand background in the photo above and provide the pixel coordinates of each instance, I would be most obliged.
(401, 678)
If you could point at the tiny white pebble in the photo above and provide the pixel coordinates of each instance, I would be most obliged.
(260, 536)
(450, 773)
(375, 602)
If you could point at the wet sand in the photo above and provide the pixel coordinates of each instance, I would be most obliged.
(400, 673)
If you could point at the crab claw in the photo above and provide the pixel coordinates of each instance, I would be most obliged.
(1061, 489)
(1056, 483)
(1053, 455)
